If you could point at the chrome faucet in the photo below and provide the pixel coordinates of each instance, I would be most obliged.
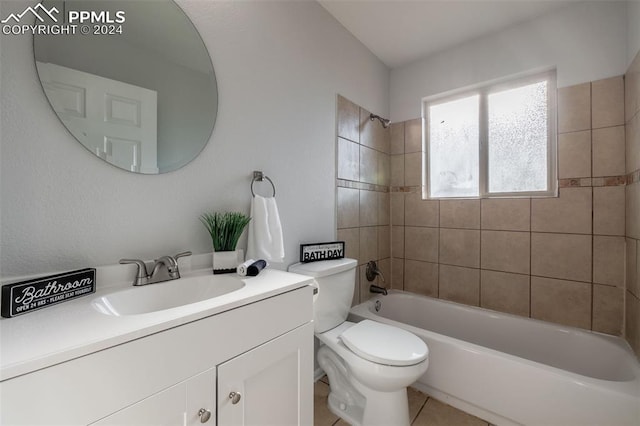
(164, 269)
(372, 271)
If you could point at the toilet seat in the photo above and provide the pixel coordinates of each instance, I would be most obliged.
(384, 344)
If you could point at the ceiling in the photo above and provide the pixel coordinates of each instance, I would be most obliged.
(399, 32)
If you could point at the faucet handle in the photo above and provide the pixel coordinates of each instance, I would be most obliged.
(178, 256)
(142, 270)
(142, 267)
(183, 254)
(372, 271)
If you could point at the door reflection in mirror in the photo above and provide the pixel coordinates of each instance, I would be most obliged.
(145, 98)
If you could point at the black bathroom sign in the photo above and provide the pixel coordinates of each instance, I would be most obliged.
(321, 251)
(26, 296)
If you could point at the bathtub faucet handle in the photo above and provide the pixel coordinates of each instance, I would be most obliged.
(372, 271)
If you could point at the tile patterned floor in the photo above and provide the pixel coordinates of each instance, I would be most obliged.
(423, 410)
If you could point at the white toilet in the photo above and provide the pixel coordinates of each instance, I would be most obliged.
(369, 364)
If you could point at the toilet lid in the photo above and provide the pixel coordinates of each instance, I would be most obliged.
(385, 344)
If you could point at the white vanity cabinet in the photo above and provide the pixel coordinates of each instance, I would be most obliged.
(262, 351)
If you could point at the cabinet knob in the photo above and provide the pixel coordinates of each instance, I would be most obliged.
(205, 415)
(235, 397)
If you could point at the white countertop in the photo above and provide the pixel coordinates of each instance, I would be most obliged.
(72, 329)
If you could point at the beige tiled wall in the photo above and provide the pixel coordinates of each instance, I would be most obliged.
(363, 203)
(632, 197)
(572, 260)
(556, 259)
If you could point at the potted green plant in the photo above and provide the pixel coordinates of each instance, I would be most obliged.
(225, 230)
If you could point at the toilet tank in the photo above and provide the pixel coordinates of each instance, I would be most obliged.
(336, 282)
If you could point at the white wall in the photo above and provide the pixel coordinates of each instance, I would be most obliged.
(633, 30)
(279, 66)
(586, 42)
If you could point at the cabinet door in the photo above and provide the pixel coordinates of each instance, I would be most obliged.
(166, 408)
(179, 405)
(272, 384)
(201, 399)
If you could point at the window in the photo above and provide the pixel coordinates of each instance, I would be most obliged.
(495, 141)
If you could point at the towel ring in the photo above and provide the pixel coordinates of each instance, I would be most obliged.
(259, 177)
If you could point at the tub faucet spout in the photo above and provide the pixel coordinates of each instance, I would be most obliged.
(376, 289)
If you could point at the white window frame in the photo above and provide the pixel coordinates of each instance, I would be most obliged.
(484, 91)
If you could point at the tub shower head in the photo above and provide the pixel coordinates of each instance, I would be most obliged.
(383, 121)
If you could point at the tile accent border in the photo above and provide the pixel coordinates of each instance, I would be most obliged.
(342, 183)
(406, 189)
(593, 182)
(622, 180)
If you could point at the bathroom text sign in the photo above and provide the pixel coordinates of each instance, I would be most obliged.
(321, 251)
(26, 296)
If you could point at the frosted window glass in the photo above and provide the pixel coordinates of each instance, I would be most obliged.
(518, 139)
(453, 148)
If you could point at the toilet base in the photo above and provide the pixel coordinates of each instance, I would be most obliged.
(379, 410)
(357, 404)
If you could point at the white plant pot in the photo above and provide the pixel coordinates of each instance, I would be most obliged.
(225, 262)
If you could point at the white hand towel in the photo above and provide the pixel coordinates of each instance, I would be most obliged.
(265, 231)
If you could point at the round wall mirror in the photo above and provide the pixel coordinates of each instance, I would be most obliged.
(132, 81)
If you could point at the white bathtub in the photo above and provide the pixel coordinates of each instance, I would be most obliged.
(513, 370)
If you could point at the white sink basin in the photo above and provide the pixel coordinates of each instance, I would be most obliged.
(166, 295)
